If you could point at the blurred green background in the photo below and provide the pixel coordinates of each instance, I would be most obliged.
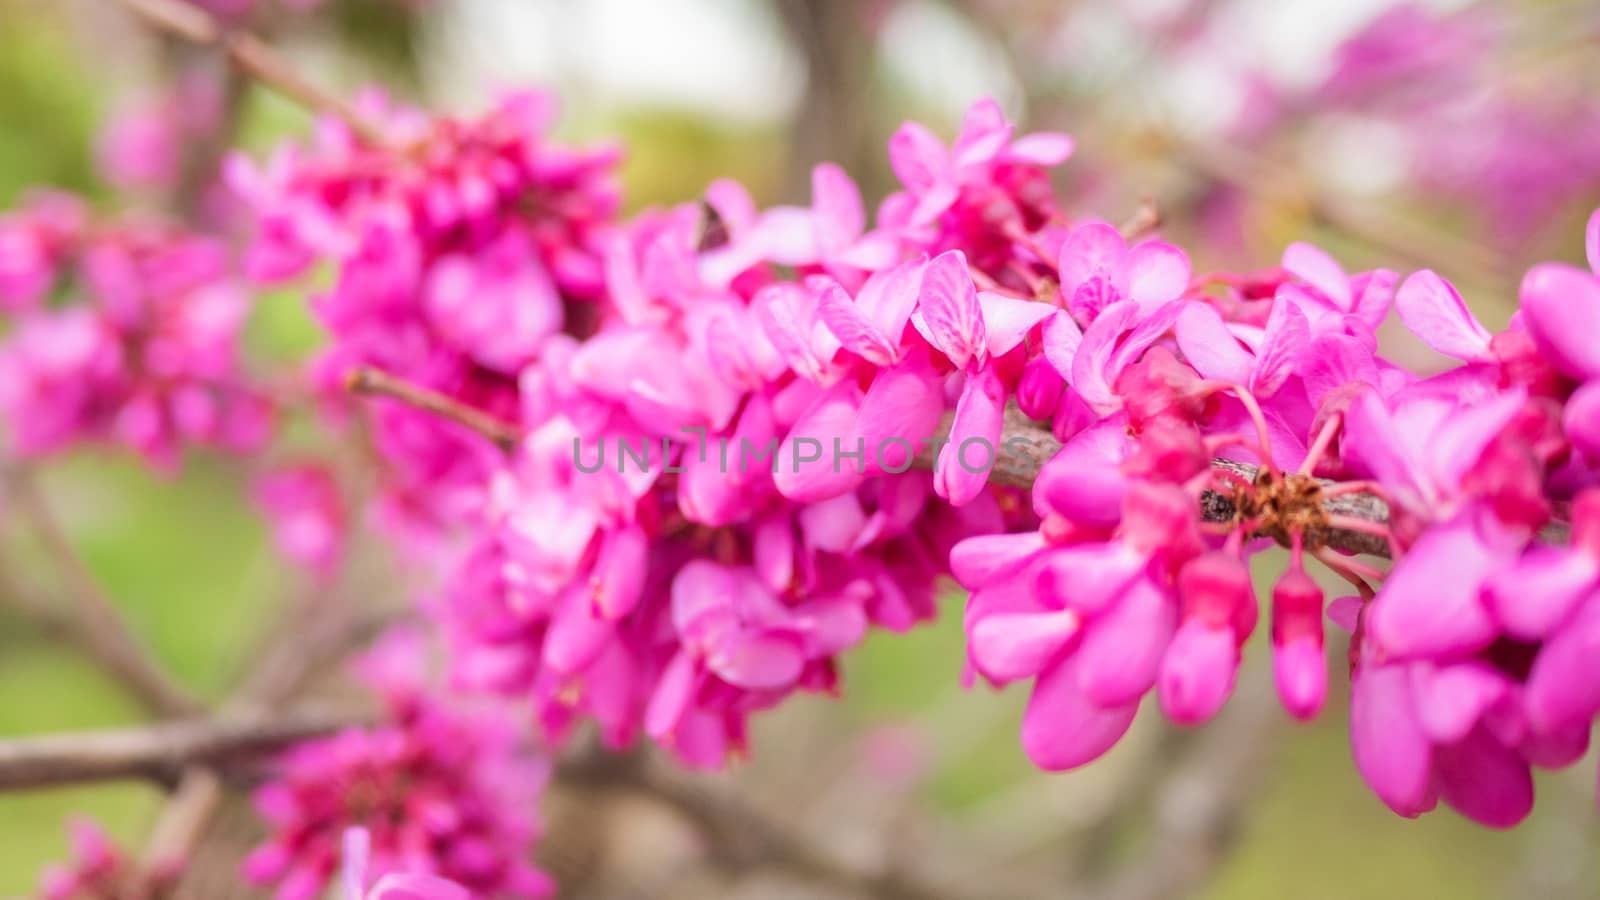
(188, 561)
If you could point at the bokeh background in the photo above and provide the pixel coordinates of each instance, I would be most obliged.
(1458, 136)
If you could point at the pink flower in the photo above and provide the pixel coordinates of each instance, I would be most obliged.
(395, 885)
(1098, 269)
(307, 513)
(934, 177)
(101, 869)
(442, 800)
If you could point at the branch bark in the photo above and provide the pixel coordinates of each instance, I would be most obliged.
(90, 620)
(734, 828)
(371, 382)
(252, 55)
(157, 751)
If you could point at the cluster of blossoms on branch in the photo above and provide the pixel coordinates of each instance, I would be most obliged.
(676, 596)
(480, 275)
(122, 331)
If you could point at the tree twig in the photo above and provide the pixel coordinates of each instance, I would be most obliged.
(735, 828)
(371, 382)
(92, 621)
(156, 751)
(252, 55)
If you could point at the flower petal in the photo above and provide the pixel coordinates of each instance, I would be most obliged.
(836, 208)
(1093, 264)
(1561, 306)
(1210, 347)
(949, 309)
(963, 467)
(1431, 604)
(1314, 266)
(1062, 729)
(855, 333)
(1158, 273)
(1041, 148)
(1009, 646)
(1391, 751)
(1122, 648)
(1008, 320)
(1485, 780)
(1431, 308)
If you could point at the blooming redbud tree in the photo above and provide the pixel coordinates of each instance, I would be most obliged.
(650, 476)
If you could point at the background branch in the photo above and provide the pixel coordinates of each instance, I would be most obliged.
(155, 751)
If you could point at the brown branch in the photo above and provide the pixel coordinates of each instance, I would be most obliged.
(156, 751)
(91, 622)
(739, 832)
(250, 54)
(376, 383)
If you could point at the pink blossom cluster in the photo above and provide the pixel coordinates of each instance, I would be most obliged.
(672, 587)
(438, 793)
(124, 332)
(1464, 672)
(457, 249)
(100, 870)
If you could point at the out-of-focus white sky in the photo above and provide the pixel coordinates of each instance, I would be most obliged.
(727, 57)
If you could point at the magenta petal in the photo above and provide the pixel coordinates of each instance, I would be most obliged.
(576, 638)
(1094, 269)
(1158, 273)
(756, 662)
(1122, 648)
(700, 588)
(1092, 374)
(854, 331)
(1007, 320)
(1541, 590)
(1197, 673)
(673, 696)
(1485, 780)
(1287, 337)
(984, 134)
(1345, 612)
(900, 411)
(1450, 699)
(1300, 671)
(1564, 685)
(1431, 604)
(1210, 347)
(1391, 751)
(836, 206)
(417, 887)
(787, 235)
(949, 309)
(889, 296)
(1083, 481)
(1431, 308)
(788, 314)
(810, 463)
(1042, 148)
(1062, 729)
(1561, 306)
(977, 560)
(963, 467)
(1009, 646)
(1319, 270)
(1061, 340)
(1581, 419)
(917, 157)
(1087, 577)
